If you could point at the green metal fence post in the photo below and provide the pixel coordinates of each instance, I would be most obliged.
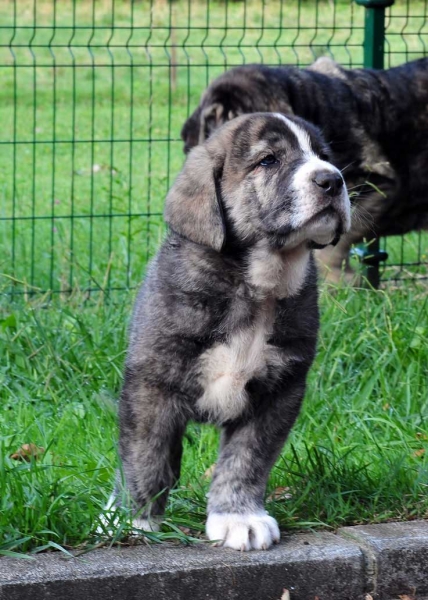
(374, 32)
(374, 51)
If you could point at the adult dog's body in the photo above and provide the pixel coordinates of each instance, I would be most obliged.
(376, 123)
(225, 326)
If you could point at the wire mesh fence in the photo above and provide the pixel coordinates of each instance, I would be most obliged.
(94, 94)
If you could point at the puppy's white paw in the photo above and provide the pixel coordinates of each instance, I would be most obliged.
(145, 525)
(251, 531)
(109, 518)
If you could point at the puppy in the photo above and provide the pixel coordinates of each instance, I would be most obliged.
(225, 326)
(376, 123)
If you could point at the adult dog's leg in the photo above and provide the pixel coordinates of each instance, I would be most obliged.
(150, 446)
(334, 263)
(236, 514)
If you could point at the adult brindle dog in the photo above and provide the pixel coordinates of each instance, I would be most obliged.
(225, 326)
(376, 123)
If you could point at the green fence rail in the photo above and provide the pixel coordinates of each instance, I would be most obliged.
(93, 97)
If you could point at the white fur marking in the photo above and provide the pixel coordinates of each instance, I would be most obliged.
(251, 531)
(226, 368)
(301, 135)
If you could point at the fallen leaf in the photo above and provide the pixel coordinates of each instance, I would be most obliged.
(285, 595)
(280, 493)
(368, 597)
(185, 530)
(406, 597)
(418, 454)
(26, 451)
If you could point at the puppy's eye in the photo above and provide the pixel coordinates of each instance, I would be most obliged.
(268, 161)
(324, 156)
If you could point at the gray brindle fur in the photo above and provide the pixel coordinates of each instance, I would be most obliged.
(225, 326)
(376, 123)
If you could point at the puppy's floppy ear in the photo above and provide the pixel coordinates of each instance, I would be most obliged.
(193, 204)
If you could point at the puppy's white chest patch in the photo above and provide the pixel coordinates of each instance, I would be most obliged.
(278, 273)
(226, 368)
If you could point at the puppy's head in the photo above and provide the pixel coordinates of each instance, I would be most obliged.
(260, 177)
(236, 92)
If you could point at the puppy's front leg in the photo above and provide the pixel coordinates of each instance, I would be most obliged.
(150, 446)
(236, 514)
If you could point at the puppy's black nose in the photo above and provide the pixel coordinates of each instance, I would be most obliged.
(330, 183)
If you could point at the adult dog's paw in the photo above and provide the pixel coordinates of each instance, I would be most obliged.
(250, 531)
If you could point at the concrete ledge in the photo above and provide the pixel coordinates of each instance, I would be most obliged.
(396, 557)
(382, 560)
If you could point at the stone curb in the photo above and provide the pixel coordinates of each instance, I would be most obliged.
(384, 561)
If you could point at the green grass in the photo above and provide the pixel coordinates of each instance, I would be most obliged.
(358, 453)
(85, 135)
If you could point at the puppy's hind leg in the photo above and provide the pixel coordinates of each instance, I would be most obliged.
(152, 424)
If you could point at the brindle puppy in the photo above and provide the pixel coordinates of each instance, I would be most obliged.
(225, 326)
(376, 123)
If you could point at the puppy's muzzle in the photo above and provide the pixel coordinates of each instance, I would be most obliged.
(330, 195)
(329, 183)
(332, 216)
